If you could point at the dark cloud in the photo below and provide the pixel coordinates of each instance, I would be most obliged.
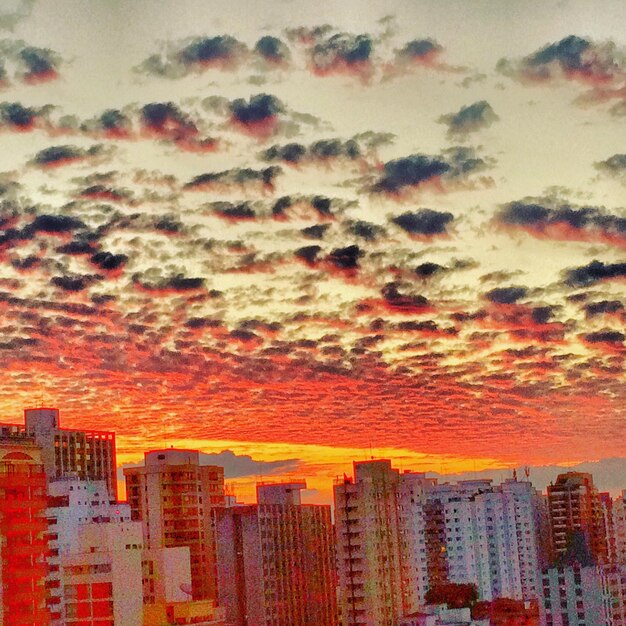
(257, 109)
(221, 51)
(419, 50)
(55, 224)
(322, 205)
(542, 314)
(308, 254)
(272, 49)
(409, 171)
(322, 150)
(109, 261)
(237, 176)
(506, 295)
(167, 120)
(594, 272)
(469, 119)
(316, 231)
(604, 306)
(77, 247)
(59, 155)
(365, 230)
(605, 336)
(176, 283)
(563, 221)
(346, 258)
(240, 211)
(343, 53)
(113, 123)
(40, 64)
(72, 282)
(396, 300)
(426, 270)
(18, 116)
(281, 205)
(571, 58)
(424, 222)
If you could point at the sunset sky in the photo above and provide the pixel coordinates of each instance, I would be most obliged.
(293, 234)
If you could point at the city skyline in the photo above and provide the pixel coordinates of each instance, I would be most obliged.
(311, 234)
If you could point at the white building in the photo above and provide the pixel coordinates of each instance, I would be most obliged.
(619, 529)
(575, 596)
(95, 557)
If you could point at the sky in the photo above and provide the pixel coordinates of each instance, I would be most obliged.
(293, 234)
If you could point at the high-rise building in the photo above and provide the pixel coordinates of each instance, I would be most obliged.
(86, 454)
(619, 529)
(276, 560)
(575, 595)
(382, 552)
(23, 545)
(577, 520)
(489, 536)
(173, 495)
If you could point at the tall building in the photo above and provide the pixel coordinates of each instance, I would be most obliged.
(577, 520)
(173, 495)
(86, 454)
(489, 536)
(575, 595)
(619, 529)
(400, 535)
(381, 544)
(23, 545)
(276, 560)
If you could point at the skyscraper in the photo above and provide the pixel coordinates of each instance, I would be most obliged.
(173, 495)
(577, 519)
(276, 560)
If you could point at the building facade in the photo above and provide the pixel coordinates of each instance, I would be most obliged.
(276, 560)
(85, 454)
(174, 496)
(23, 544)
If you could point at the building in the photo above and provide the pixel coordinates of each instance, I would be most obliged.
(615, 584)
(86, 454)
(577, 520)
(276, 560)
(23, 545)
(173, 496)
(381, 533)
(575, 595)
(619, 529)
(488, 535)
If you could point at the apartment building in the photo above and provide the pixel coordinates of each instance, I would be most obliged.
(173, 496)
(276, 560)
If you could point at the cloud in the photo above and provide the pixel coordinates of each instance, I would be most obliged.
(240, 177)
(573, 58)
(165, 119)
(109, 261)
(614, 167)
(420, 51)
(603, 307)
(424, 222)
(234, 212)
(18, 117)
(257, 116)
(56, 156)
(506, 295)
(55, 224)
(454, 166)
(73, 282)
(594, 272)
(605, 336)
(469, 119)
(321, 151)
(222, 52)
(346, 258)
(11, 17)
(177, 283)
(239, 465)
(428, 269)
(40, 64)
(343, 53)
(550, 219)
(365, 230)
(272, 50)
(405, 303)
